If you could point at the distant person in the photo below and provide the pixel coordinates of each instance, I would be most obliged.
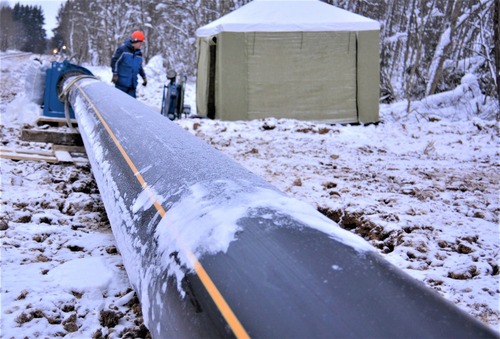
(126, 64)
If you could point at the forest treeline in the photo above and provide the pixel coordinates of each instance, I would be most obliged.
(22, 28)
(426, 46)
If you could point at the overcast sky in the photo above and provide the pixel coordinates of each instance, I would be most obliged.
(49, 7)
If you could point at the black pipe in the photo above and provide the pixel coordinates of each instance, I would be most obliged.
(213, 250)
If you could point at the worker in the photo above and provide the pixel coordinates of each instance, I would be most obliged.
(126, 64)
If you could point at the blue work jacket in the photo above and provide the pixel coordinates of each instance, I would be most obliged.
(127, 63)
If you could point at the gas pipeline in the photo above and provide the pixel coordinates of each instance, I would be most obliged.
(213, 250)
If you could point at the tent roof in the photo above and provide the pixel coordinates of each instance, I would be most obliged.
(286, 16)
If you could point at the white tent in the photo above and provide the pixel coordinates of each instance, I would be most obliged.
(301, 59)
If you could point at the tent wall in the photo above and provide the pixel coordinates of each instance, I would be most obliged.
(368, 76)
(329, 76)
(302, 75)
(231, 82)
(203, 75)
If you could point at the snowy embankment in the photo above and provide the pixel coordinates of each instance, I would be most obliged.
(421, 187)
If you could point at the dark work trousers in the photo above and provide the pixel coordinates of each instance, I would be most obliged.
(129, 90)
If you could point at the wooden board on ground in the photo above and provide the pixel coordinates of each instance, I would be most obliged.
(56, 122)
(71, 149)
(63, 156)
(55, 137)
(58, 154)
(20, 154)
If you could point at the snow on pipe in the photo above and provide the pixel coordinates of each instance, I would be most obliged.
(212, 250)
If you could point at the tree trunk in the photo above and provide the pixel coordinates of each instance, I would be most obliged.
(442, 49)
(497, 47)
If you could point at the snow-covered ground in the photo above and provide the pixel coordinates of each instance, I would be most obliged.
(421, 187)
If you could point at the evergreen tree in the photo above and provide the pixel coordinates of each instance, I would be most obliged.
(29, 34)
(36, 33)
(19, 35)
(7, 28)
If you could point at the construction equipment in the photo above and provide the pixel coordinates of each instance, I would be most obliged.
(54, 80)
(172, 104)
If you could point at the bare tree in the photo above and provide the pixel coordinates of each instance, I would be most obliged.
(497, 49)
(441, 53)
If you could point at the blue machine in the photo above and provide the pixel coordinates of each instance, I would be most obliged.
(55, 77)
(172, 104)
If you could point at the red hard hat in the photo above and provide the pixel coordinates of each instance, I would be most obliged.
(137, 36)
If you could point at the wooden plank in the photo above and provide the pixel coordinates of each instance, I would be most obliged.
(27, 156)
(80, 160)
(57, 122)
(27, 151)
(71, 149)
(63, 156)
(55, 137)
(60, 154)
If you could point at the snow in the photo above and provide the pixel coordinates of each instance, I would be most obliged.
(209, 225)
(288, 16)
(82, 275)
(421, 187)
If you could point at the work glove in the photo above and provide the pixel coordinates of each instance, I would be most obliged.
(115, 78)
(144, 81)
